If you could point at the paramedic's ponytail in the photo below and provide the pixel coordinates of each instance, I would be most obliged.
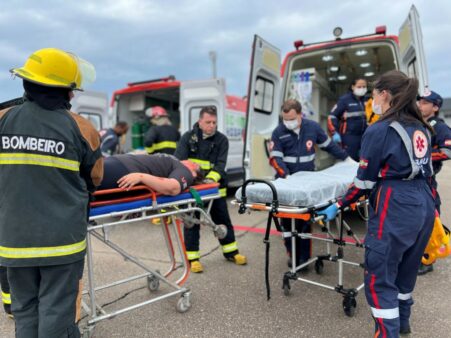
(404, 91)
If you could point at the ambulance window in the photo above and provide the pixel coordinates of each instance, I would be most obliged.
(264, 96)
(95, 119)
(412, 69)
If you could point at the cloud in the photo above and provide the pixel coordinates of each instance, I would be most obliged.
(133, 40)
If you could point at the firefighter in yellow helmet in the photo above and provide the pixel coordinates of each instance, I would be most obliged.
(50, 161)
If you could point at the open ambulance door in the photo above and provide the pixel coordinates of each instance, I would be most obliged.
(194, 95)
(413, 60)
(263, 108)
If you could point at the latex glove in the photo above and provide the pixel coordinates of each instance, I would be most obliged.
(336, 138)
(330, 212)
(208, 180)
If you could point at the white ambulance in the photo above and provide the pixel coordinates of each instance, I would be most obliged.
(317, 74)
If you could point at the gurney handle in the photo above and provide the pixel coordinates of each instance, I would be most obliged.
(275, 200)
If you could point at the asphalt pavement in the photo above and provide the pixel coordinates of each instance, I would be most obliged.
(230, 301)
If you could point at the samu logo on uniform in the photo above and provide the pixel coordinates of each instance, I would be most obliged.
(31, 143)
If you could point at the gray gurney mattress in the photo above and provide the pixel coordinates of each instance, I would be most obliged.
(305, 189)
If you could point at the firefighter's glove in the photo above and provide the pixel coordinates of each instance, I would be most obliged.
(329, 213)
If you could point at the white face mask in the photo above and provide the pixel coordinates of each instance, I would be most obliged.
(291, 124)
(377, 108)
(359, 91)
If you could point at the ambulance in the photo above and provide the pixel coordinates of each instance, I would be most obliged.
(317, 74)
(183, 101)
(93, 106)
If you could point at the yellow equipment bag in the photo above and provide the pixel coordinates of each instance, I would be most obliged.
(438, 245)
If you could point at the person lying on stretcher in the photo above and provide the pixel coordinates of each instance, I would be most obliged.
(163, 173)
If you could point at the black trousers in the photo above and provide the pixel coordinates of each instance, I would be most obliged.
(303, 246)
(44, 300)
(5, 288)
(219, 215)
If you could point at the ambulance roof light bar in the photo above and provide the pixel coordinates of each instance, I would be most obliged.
(298, 44)
(163, 79)
(381, 30)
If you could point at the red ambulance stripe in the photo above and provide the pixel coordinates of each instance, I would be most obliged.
(377, 306)
(384, 213)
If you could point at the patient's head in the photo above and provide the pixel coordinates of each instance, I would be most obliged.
(194, 168)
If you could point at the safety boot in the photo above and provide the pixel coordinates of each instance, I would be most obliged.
(196, 267)
(424, 269)
(238, 259)
(8, 311)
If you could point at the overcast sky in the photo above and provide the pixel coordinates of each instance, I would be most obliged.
(134, 40)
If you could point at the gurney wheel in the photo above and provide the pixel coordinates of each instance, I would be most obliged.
(88, 332)
(319, 267)
(286, 287)
(349, 306)
(184, 303)
(153, 283)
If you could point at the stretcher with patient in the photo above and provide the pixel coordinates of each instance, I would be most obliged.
(116, 207)
(300, 196)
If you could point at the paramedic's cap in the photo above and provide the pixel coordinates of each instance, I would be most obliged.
(432, 97)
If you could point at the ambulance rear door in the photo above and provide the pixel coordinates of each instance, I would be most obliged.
(194, 95)
(413, 60)
(262, 110)
(93, 106)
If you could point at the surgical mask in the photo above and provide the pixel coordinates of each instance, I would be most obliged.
(359, 91)
(291, 124)
(377, 108)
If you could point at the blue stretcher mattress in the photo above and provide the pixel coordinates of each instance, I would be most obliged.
(148, 202)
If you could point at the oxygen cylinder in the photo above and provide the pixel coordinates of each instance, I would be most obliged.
(137, 136)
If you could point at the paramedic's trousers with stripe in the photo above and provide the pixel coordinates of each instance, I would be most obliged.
(401, 221)
(44, 300)
(219, 215)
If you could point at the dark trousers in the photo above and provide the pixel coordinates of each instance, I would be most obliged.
(219, 215)
(303, 246)
(6, 296)
(351, 143)
(44, 300)
(398, 230)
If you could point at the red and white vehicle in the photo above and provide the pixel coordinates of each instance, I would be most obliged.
(183, 101)
(317, 74)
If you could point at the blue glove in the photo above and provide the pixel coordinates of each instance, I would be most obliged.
(330, 212)
(336, 138)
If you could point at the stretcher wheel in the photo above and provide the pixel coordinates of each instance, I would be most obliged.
(349, 306)
(319, 267)
(153, 283)
(184, 303)
(286, 287)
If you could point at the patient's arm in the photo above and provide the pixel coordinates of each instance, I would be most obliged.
(165, 186)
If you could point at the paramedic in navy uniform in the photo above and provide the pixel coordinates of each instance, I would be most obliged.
(395, 168)
(292, 150)
(347, 120)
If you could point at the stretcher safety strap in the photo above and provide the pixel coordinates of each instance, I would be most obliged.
(325, 143)
(193, 255)
(40, 160)
(6, 298)
(214, 175)
(364, 184)
(404, 296)
(204, 165)
(231, 247)
(385, 313)
(408, 145)
(51, 251)
(161, 145)
(196, 197)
